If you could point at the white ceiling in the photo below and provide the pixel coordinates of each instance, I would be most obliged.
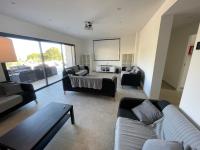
(112, 18)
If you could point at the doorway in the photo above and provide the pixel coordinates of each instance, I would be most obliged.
(178, 60)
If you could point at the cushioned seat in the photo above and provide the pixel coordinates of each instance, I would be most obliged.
(7, 102)
(131, 134)
(82, 72)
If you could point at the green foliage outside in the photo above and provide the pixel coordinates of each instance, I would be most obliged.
(51, 54)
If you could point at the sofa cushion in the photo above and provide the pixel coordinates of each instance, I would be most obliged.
(7, 102)
(131, 134)
(147, 112)
(81, 72)
(81, 67)
(2, 92)
(75, 68)
(158, 144)
(11, 88)
(135, 70)
(176, 127)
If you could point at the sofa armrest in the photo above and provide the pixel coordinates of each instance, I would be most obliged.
(87, 68)
(27, 87)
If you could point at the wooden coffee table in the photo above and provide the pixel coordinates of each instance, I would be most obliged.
(35, 132)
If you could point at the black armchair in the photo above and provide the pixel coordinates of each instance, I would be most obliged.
(132, 79)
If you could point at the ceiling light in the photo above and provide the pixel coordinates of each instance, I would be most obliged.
(13, 2)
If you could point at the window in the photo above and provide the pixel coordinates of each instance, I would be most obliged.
(68, 55)
(40, 63)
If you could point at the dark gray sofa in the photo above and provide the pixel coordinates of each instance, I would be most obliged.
(132, 79)
(109, 86)
(11, 102)
(130, 134)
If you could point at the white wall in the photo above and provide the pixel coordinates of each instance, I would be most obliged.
(14, 26)
(127, 45)
(148, 48)
(176, 52)
(190, 100)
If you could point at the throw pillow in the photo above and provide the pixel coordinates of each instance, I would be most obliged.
(158, 144)
(128, 69)
(147, 112)
(11, 88)
(81, 67)
(135, 70)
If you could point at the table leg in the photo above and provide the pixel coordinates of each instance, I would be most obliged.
(72, 115)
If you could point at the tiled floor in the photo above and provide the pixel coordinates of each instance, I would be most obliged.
(95, 117)
(170, 94)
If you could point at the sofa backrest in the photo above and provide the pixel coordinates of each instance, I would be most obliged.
(176, 127)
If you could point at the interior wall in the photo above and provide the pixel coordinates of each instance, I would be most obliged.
(148, 47)
(190, 101)
(176, 52)
(127, 45)
(15, 26)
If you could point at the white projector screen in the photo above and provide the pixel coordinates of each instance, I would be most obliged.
(106, 50)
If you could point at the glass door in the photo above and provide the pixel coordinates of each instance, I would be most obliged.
(53, 61)
(29, 66)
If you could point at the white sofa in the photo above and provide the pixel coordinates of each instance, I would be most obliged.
(131, 134)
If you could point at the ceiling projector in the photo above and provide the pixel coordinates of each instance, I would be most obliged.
(88, 25)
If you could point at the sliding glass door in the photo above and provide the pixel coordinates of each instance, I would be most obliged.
(53, 61)
(39, 63)
(29, 67)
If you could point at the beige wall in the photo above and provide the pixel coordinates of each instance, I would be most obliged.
(14, 26)
(176, 52)
(127, 45)
(148, 48)
(190, 100)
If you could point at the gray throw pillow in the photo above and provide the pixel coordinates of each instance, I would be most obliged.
(147, 112)
(135, 70)
(158, 144)
(11, 88)
(128, 69)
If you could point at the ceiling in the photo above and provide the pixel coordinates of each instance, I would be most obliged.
(111, 18)
(185, 12)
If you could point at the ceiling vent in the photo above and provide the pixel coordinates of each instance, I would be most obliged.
(88, 25)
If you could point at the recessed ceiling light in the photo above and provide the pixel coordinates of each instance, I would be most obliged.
(119, 8)
(12, 2)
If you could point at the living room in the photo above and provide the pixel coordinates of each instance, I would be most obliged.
(96, 64)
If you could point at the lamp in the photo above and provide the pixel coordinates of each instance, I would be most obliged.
(7, 54)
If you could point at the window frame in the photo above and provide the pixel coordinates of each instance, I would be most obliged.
(39, 40)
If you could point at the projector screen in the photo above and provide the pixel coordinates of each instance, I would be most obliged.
(106, 50)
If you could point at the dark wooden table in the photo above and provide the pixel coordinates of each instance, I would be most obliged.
(35, 132)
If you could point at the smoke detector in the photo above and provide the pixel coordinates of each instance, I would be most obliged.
(88, 25)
